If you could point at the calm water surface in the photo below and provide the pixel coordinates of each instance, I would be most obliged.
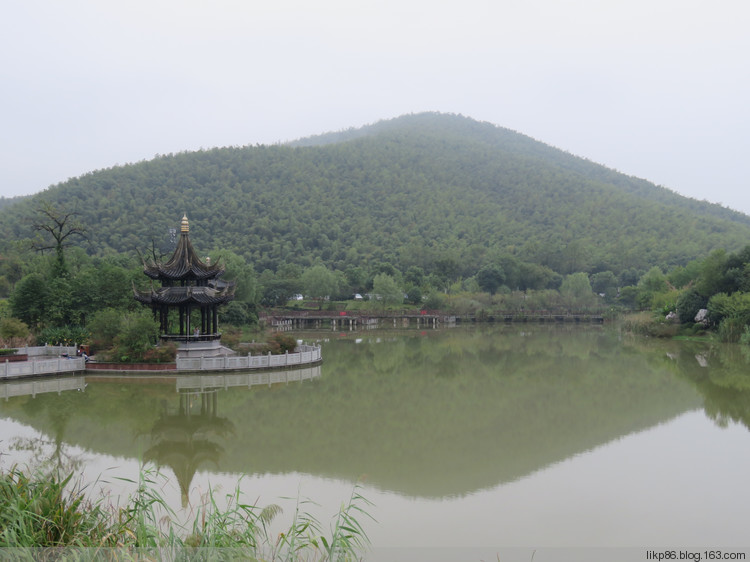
(491, 437)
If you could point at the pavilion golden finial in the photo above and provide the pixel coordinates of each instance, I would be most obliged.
(184, 227)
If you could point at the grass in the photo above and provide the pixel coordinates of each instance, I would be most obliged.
(649, 324)
(44, 512)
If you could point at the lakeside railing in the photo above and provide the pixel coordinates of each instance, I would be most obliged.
(305, 355)
(15, 369)
(46, 350)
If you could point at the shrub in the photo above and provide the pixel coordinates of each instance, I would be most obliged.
(745, 337)
(280, 343)
(722, 305)
(13, 330)
(164, 353)
(139, 333)
(63, 335)
(731, 329)
(434, 301)
(104, 326)
(688, 304)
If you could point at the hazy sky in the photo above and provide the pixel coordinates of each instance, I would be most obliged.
(658, 89)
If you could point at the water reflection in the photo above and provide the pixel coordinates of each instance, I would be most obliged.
(720, 372)
(427, 414)
(188, 437)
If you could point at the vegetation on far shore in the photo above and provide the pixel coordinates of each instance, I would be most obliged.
(69, 297)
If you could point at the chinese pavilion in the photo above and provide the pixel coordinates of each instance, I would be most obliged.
(187, 284)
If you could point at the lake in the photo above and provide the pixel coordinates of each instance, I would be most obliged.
(469, 441)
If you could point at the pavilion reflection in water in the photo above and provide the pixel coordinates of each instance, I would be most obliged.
(186, 436)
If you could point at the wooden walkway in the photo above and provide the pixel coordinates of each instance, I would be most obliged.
(298, 319)
(294, 319)
(549, 317)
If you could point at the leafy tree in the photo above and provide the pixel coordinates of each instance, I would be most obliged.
(243, 275)
(629, 277)
(356, 279)
(713, 277)
(434, 301)
(387, 290)
(27, 302)
(574, 257)
(319, 282)
(576, 291)
(414, 276)
(605, 282)
(413, 294)
(680, 276)
(653, 282)
(237, 313)
(447, 268)
(276, 290)
(58, 307)
(490, 278)
(535, 277)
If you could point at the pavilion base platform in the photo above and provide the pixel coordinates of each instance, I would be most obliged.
(199, 347)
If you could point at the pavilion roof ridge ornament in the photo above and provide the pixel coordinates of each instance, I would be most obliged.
(184, 225)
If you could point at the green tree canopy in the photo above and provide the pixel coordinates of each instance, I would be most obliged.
(490, 278)
(387, 290)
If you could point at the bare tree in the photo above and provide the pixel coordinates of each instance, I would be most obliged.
(62, 227)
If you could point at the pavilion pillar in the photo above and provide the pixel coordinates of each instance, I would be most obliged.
(182, 320)
(215, 315)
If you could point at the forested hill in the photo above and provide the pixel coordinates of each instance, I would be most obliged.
(427, 190)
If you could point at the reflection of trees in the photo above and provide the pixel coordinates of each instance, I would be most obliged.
(49, 453)
(426, 413)
(49, 456)
(721, 373)
(184, 439)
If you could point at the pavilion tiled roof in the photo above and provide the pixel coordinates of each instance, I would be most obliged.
(185, 264)
(173, 296)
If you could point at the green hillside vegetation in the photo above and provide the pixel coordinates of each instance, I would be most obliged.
(454, 213)
(429, 190)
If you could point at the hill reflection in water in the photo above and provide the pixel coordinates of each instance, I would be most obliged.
(424, 414)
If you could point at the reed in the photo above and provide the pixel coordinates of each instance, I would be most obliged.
(37, 511)
(41, 512)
